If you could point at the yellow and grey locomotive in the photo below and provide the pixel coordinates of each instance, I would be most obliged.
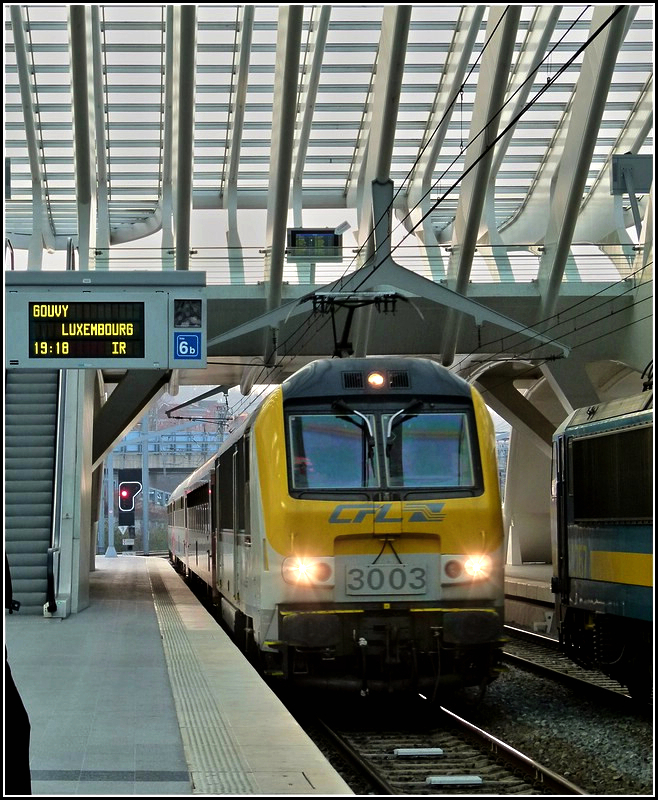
(351, 529)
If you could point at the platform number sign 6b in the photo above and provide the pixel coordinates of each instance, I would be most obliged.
(187, 345)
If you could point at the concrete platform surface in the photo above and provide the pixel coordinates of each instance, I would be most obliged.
(143, 693)
(529, 602)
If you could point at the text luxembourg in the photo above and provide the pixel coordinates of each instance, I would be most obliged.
(97, 329)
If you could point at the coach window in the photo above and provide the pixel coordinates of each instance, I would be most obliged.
(239, 486)
(226, 490)
(612, 476)
(430, 450)
(244, 477)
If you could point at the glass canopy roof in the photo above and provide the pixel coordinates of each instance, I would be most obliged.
(119, 117)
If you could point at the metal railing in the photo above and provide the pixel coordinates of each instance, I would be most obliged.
(243, 266)
(491, 265)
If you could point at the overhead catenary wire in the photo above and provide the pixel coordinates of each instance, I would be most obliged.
(530, 369)
(305, 326)
(520, 113)
(518, 355)
(527, 106)
(464, 148)
(558, 319)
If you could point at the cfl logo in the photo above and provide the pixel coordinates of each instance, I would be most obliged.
(356, 513)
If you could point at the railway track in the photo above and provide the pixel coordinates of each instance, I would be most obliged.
(451, 757)
(429, 749)
(360, 737)
(541, 654)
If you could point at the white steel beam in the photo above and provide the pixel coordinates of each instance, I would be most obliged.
(310, 80)
(82, 87)
(284, 113)
(569, 182)
(167, 196)
(102, 188)
(501, 31)
(42, 232)
(384, 113)
(527, 64)
(185, 134)
(452, 78)
(601, 217)
(236, 129)
(164, 216)
(315, 45)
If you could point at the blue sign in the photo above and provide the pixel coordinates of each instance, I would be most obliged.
(187, 345)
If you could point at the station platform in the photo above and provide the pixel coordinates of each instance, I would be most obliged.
(144, 693)
(529, 602)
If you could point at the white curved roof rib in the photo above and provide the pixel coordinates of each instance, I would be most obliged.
(122, 120)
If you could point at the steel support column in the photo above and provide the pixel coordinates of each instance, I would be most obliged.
(84, 140)
(286, 78)
(236, 261)
(42, 232)
(102, 187)
(185, 130)
(167, 196)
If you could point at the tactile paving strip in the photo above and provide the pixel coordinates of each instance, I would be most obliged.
(216, 766)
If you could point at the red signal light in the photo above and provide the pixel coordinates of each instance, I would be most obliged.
(128, 491)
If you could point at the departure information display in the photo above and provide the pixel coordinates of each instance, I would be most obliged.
(314, 245)
(103, 320)
(86, 330)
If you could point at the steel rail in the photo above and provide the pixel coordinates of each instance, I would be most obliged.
(516, 758)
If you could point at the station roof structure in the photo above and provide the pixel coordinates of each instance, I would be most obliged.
(498, 127)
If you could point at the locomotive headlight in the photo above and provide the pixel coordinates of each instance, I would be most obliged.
(308, 571)
(375, 380)
(477, 566)
(462, 569)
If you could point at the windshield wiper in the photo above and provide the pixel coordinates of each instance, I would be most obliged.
(398, 418)
(393, 422)
(341, 405)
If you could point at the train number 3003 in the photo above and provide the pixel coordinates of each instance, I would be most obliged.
(385, 579)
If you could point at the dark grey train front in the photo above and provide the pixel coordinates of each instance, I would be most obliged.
(603, 536)
(351, 529)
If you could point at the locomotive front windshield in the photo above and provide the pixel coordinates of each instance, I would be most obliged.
(430, 450)
(330, 452)
(397, 450)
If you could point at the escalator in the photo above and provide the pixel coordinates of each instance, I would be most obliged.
(31, 402)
